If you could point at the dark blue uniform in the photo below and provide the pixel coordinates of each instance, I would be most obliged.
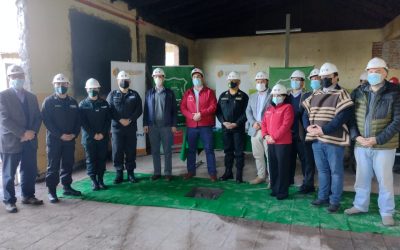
(232, 108)
(60, 116)
(95, 119)
(124, 106)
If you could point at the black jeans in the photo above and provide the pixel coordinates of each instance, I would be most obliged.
(309, 171)
(297, 150)
(279, 166)
(124, 150)
(96, 156)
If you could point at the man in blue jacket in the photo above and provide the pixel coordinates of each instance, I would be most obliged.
(159, 120)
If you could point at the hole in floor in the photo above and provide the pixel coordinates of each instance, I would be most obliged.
(205, 193)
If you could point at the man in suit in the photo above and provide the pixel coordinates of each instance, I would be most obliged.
(254, 114)
(20, 122)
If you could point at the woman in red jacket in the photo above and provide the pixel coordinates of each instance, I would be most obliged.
(276, 130)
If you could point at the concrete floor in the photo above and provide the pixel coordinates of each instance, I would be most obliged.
(77, 224)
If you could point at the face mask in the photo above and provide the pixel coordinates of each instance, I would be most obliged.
(295, 84)
(327, 82)
(374, 78)
(93, 93)
(61, 90)
(158, 81)
(277, 100)
(232, 85)
(261, 87)
(196, 82)
(315, 84)
(17, 83)
(124, 84)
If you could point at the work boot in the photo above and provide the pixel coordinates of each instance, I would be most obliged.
(11, 207)
(53, 195)
(239, 175)
(100, 180)
(227, 175)
(131, 177)
(68, 190)
(95, 183)
(119, 177)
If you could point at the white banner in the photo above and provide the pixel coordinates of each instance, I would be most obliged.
(137, 73)
(222, 82)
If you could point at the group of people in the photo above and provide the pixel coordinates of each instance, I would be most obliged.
(284, 125)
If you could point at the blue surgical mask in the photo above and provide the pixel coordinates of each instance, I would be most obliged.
(295, 84)
(17, 83)
(374, 78)
(196, 82)
(277, 100)
(315, 84)
(61, 90)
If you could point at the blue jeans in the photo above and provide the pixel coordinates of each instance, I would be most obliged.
(380, 162)
(329, 162)
(206, 136)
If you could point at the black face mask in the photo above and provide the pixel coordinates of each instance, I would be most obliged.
(232, 85)
(124, 84)
(327, 82)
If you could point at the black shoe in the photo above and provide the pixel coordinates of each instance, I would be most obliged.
(306, 190)
(239, 180)
(119, 177)
(32, 201)
(11, 207)
(131, 177)
(95, 183)
(100, 180)
(272, 194)
(239, 176)
(333, 208)
(226, 176)
(281, 196)
(52, 195)
(68, 190)
(155, 177)
(319, 202)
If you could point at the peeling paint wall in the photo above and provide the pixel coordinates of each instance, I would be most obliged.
(349, 50)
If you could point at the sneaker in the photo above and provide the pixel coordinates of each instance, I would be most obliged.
(256, 181)
(388, 220)
(11, 208)
(319, 202)
(333, 208)
(32, 201)
(352, 211)
(269, 185)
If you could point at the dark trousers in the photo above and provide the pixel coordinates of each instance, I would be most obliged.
(297, 150)
(28, 171)
(206, 136)
(234, 147)
(309, 173)
(60, 154)
(96, 156)
(279, 166)
(124, 150)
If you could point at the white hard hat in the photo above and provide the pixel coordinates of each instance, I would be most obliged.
(14, 70)
(60, 78)
(261, 76)
(122, 75)
(364, 76)
(299, 74)
(197, 70)
(376, 62)
(158, 72)
(314, 72)
(234, 76)
(327, 69)
(92, 84)
(279, 89)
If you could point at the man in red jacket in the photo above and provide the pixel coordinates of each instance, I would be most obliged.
(199, 105)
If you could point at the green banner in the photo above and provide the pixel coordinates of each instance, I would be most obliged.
(178, 79)
(282, 75)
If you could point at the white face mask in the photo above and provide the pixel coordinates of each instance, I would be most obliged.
(158, 82)
(261, 87)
